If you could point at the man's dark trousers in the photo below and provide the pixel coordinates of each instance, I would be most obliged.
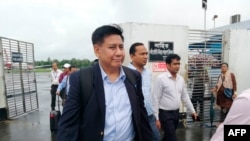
(169, 121)
(53, 96)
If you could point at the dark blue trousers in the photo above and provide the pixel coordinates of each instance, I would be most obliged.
(169, 121)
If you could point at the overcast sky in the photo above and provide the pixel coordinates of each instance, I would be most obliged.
(61, 29)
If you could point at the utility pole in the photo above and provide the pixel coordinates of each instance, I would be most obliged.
(204, 6)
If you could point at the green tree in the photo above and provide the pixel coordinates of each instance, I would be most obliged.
(76, 62)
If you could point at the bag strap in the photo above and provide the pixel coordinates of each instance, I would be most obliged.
(86, 79)
(130, 75)
(66, 89)
(225, 78)
(231, 76)
(232, 80)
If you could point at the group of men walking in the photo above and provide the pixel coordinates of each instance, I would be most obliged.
(119, 103)
(60, 82)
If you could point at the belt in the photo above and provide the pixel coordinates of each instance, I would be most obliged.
(169, 111)
(54, 84)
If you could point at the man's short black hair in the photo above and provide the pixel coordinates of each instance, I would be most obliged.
(106, 30)
(72, 66)
(170, 57)
(133, 47)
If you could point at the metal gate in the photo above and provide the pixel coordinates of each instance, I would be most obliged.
(19, 76)
(205, 55)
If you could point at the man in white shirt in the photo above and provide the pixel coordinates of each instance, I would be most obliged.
(238, 115)
(169, 92)
(54, 74)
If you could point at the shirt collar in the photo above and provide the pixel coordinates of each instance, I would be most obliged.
(55, 70)
(169, 75)
(122, 75)
(130, 65)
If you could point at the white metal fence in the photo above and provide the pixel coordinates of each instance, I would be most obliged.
(19, 76)
(205, 56)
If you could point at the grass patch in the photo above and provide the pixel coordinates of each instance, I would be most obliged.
(42, 70)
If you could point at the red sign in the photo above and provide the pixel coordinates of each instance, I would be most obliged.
(159, 67)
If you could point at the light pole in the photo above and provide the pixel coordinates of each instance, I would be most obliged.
(215, 16)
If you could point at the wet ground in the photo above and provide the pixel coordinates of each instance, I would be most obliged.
(32, 126)
(35, 126)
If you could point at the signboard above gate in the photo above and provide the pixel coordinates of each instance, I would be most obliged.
(17, 57)
(158, 51)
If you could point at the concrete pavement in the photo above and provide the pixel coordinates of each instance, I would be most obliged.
(32, 126)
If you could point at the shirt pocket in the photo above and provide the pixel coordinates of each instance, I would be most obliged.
(167, 88)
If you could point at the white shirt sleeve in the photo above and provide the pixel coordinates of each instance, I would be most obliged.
(186, 100)
(157, 93)
(238, 114)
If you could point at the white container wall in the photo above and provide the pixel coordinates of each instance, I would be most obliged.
(140, 32)
(237, 55)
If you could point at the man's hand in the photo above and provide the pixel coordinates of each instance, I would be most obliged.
(58, 92)
(234, 96)
(158, 124)
(213, 90)
(194, 115)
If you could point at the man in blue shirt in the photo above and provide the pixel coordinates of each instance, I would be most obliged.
(115, 110)
(64, 85)
(139, 56)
